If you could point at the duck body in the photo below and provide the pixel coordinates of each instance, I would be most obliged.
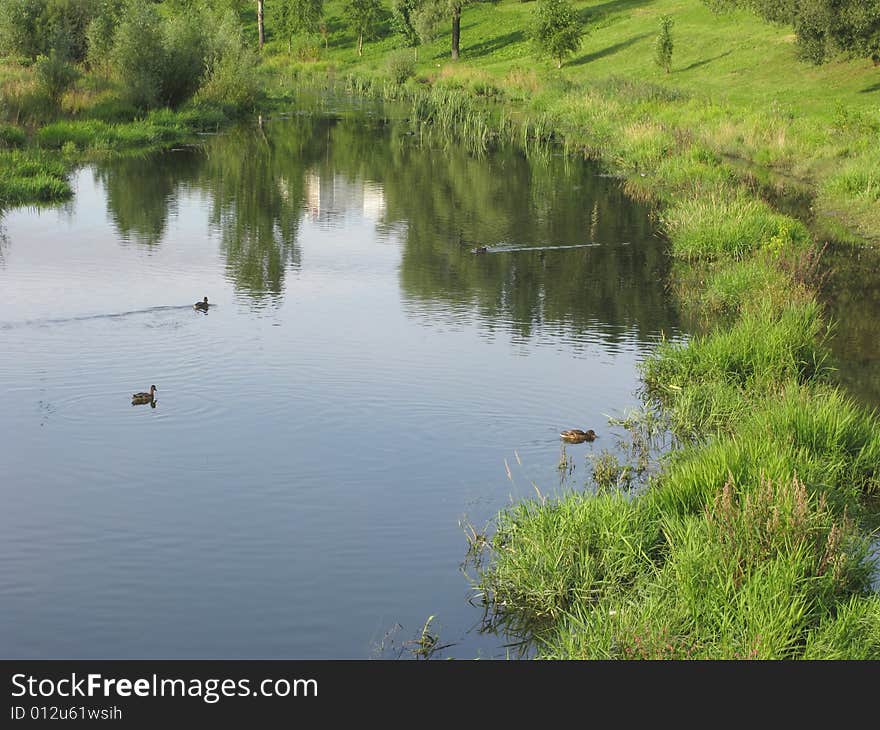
(139, 398)
(480, 249)
(575, 435)
(202, 306)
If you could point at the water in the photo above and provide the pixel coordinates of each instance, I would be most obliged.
(352, 394)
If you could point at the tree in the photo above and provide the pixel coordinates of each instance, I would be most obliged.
(363, 15)
(556, 29)
(663, 43)
(299, 17)
(261, 30)
(427, 19)
(402, 20)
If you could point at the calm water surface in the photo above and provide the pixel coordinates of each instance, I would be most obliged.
(352, 394)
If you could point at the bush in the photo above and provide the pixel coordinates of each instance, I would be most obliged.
(231, 81)
(138, 54)
(20, 33)
(185, 47)
(401, 66)
(55, 75)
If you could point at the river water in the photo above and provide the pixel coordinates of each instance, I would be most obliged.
(360, 386)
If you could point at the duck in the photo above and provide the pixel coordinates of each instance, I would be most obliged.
(480, 249)
(138, 398)
(202, 306)
(575, 435)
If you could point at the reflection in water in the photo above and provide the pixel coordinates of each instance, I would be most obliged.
(559, 234)
(141, 194)
(852, 294)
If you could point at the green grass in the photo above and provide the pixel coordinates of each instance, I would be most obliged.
(28, 176)
(711, 227)
(753, 574)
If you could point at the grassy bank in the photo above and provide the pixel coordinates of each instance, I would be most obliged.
(40, 142)
(753, 540)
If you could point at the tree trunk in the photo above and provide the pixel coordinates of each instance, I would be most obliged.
(559, 63)
(361, 43)
(456, 30)
(260, 22)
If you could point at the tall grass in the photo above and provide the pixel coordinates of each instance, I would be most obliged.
(713, 227)
(31, 177)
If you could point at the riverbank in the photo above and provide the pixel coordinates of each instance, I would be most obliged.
(754, 540)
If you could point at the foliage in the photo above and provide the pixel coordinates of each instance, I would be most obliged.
(428, 18)
(20, 33)
(363, 16)
(403, 21)
(663, 44)
(185, 46)
(101, 31)
(29, 28)
(401, 66)
(55, 75)
(231, 68)
(138, 53)
(297, 18)
(556, 29)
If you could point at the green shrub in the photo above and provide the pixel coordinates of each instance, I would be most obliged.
(401, 66)
(138, 54)
(55, 75)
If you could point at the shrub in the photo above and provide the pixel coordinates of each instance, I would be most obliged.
(55, 75)
(185, 47)
(401, 66)
(231, 80)
(138, 54)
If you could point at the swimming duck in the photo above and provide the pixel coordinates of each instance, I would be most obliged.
(480, 249)
(139, 398)
(575, 435)
(201, 306)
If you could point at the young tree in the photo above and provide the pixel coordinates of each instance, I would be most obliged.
(363, 15)
(663, 44)
(261, 29)
(299, 17)
(556, 29)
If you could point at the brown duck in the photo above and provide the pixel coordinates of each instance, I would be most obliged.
(142, 398)
(576, 436)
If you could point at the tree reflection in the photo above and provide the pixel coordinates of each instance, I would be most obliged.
(852, 294)
(262, 181)
(141, 194)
